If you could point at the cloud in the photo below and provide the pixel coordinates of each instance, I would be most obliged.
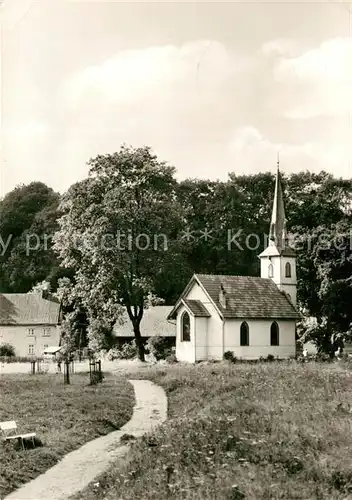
(167, 71)
(317, 82)
(190, 103)
(280, 47)
(177, 99)
(254, 153)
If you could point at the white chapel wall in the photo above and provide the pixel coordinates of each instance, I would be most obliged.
(214, 323)
(185, 351)
(259, 339)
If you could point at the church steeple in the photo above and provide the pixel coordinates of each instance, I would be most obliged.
(278, 261)
(278, 233)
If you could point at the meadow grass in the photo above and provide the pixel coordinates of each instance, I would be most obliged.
(63, 416)
(254, 431)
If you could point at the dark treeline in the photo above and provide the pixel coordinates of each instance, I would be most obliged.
(318, 206)
(214, 212)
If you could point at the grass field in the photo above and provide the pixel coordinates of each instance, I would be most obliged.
(63, 416)
(263, 431)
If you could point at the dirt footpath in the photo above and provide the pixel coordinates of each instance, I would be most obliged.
(77, 469)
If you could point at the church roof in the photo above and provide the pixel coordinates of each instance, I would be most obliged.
(248, 297)
(272, 251)
(197, 308)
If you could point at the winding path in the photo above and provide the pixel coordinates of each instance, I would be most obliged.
(78, 468)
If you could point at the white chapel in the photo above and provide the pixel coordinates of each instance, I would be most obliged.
(249, 316)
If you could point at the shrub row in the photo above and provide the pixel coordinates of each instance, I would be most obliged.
(230, 356)
(19, 359)
(158, 347)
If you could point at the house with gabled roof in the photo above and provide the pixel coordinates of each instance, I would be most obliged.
(153, 324)
(30, 322)
(249, 316)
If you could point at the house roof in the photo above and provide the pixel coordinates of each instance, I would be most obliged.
(52, 349)
(197, 308)
(153, 324)
(28, 309)
(246, 297)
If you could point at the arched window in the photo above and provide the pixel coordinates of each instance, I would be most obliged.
(271, 271)
(288, 270)
(244, 334)
(185, 327)
(274, 334)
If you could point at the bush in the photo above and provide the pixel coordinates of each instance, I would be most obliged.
(126, 351)
(159, 347)
(270, 358)
(229, 356)
(322, 357)
(7, 350)
(171, 359)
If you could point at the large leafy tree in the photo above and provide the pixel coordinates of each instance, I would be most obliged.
(28, 217)
(325, 285)
(317, 199)
(319, 207)
(118, 231)
(227, 222)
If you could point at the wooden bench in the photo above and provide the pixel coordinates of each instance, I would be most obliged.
(9, 431)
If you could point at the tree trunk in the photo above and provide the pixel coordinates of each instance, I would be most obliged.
(139, 342)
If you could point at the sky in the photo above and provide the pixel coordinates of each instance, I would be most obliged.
(212, 88)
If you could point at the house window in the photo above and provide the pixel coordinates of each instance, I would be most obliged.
(274, 334)
(244, 334)
(288, 270)
(30, 331)
(185, 327)
(45, 346)
(271, 271)
(31, 349)
(47, 332)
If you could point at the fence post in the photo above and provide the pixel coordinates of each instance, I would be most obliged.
(100, 375)
(33, 367)
(67, 372)
(93, 365)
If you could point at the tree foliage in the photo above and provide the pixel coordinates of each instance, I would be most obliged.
(7, 350)
(118, 228)
(129, 193)
(28, 220)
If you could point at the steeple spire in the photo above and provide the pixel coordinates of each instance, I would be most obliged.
(278, 260)
(278, 234)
